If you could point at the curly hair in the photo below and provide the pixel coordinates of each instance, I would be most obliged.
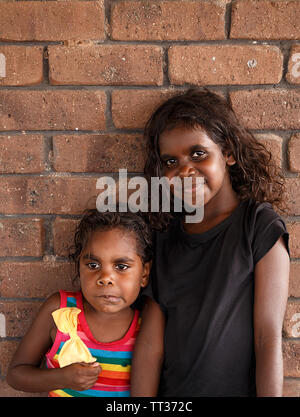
(253, 176)
(92, 220)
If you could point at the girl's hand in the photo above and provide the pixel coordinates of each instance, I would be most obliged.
(80, 376)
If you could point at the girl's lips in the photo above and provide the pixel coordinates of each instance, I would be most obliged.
(111, 298)
(193, 189)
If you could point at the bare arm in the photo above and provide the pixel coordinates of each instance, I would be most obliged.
(24, 372)
(271, 292)
(148, 352)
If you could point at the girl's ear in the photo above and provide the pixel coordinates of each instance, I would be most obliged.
(230, 159)
(146, 273)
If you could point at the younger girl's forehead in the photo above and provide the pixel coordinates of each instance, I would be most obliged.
(114, 238)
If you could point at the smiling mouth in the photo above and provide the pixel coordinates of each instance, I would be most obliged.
(193, 189)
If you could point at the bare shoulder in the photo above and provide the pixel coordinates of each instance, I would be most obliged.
(51, 304)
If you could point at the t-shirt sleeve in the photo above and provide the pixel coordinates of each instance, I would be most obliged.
(269, 227)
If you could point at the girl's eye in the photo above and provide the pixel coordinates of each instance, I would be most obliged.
(122, 267)
(92, 265)
(170, 162)
(198, 154)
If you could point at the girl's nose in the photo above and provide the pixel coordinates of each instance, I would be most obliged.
(104, 280)
(186, 170)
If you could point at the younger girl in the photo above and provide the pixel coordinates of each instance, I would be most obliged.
(222, 283)
(88, 336)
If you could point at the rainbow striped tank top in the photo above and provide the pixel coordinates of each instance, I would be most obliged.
(114, 357)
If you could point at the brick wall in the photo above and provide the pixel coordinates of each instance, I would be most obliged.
(78, 79)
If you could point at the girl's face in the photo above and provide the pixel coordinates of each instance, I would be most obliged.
(111, 271)
(191, 153)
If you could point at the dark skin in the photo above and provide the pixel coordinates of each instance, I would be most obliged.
(187, 152)
(111, 275)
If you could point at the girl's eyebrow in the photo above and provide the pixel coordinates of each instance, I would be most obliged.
(197, 147)
(166, 156)
(124, 260)
(193, 148)
(119, 260)
(90, 256)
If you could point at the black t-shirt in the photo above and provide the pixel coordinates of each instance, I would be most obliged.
(204, 284)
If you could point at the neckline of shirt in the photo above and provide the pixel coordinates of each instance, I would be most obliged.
(209, 234)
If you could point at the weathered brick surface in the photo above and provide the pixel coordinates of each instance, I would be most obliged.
(36, 279)
(167, 20)
(21, 237)
(99, 153)
(7, 349)
(51, 20)
(293, 74)
(291, 388)
(264, 19)
(291, 358)
(294, 153)
(52, 110)
(18, 316)
(294, 287)
(132, 108)
(106, 65)
(23, 65)
(291, 326)
(63, 235)
(225, 64)
(46, 194)
(292, 196)
(267, 109)
(21, 154)
(294, 243)
(273, 143)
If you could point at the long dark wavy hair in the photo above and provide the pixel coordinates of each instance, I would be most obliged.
(253, 176)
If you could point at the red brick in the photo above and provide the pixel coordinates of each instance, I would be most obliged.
(21, 237)
(99, 153)
(18, 316)
(23, 65)
(7, 391)
(291, 358)
(293, 74)
(168, 20)
(63, 235)
(291, 388)
(291, 326)
(7, 350)
(132, 108)
(293, 196)
(265, 19)
(47, 194)
(294, 241)
(106, 65)
(37, 279)
(294, 288)
(51, 20)
(21, 154)
(225, 64)
(267, 109)
(52, 110)
(273, 143)
(294, 152)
